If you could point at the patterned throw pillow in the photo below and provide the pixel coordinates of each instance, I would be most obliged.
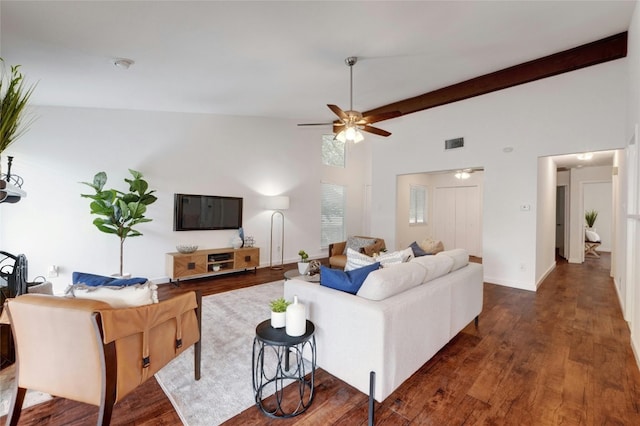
(357, 243)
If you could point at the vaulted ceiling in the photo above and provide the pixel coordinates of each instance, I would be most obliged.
(282, 59)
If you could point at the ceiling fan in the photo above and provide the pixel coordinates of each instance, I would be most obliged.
(351, 122)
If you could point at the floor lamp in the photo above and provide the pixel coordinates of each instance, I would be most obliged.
(277, 204)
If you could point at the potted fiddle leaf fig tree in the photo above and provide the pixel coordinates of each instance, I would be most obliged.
(120, 211)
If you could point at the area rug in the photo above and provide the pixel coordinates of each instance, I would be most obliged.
(225, 389)
(7, 376)
(228, 327)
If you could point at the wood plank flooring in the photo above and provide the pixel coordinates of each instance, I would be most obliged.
(560, 356)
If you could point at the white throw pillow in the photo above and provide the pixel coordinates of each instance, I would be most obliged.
(460, 257)
(592, 236)
(357, 260)
(386, 282)
(117, 297)
(390, 258)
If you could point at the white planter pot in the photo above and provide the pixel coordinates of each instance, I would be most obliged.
(278, 319)
(303, 267)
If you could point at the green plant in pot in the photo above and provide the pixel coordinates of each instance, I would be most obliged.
(120, 211)
(278, 312)
(14, 96)
(590, 217)
(303, 265)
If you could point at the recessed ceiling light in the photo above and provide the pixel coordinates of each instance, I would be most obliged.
(585, 156)
(123, 63)
(507, 149)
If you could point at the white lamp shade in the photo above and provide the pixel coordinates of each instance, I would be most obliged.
(280, 202)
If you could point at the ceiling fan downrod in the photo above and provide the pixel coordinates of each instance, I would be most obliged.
(351, 61)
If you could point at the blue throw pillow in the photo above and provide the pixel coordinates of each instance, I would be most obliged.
(93, 280)
(417, 250)
(349, 281)
(123, 282)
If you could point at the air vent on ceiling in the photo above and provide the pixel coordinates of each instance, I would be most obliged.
(454, 143)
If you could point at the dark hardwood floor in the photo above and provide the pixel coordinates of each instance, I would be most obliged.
(560, 356)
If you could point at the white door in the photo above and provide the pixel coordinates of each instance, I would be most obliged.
(458, 218)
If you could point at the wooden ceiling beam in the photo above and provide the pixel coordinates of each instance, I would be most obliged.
(597, 52)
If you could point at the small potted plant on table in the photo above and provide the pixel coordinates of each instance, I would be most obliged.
(278, 312)
(303, 265)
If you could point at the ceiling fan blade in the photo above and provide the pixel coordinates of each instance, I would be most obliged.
(338, 127)
(382, 116)
(375, 130)
(337, 111)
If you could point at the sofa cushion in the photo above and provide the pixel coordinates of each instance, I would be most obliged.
(386, 282)
(591, 236)
(431, 246)
(436, 266)
(347, 281)
(357, 243)
(117, 296)
(460, 257)
(417, 250)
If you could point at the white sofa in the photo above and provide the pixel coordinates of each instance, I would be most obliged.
(394, 336)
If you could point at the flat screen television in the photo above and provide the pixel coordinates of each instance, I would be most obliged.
(206, 212)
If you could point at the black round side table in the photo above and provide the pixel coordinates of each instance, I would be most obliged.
(273, 350)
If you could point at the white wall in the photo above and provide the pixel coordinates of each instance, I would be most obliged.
(578, 111)
(546, 219)
(630, 215)
(188, 153)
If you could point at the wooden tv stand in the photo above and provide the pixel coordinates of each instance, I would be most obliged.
(201, 263)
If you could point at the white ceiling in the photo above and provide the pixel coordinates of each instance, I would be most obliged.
(281, 59)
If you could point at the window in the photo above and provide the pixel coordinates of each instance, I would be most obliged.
(417, 205)
(333, 151)
(332, 213)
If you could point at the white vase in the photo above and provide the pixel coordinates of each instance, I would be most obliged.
(303, 268)
(278, 319)
(236, 242)
(296, 318)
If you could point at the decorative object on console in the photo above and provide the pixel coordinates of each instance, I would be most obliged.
(278, 312)
(236, 242)
(296, 318)
(249, 241)
(277, 204)
(186, 248)
(122, 210)
(303, 265)
(241, 235)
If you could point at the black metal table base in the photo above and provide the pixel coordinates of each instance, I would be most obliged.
(285, 374)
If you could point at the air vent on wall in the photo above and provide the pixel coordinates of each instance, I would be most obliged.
(454, 143)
